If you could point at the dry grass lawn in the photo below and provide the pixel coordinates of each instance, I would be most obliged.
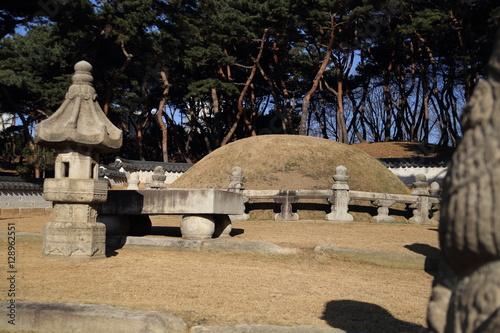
(227, 289)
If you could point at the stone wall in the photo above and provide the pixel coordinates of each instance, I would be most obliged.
(406, 169)
(144, 169)
(18, 195)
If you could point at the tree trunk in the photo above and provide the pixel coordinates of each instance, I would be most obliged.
(286, 121)
(159, 114)
(341, 124)
(217, 118)
(277, 103)
(140, 149)
(387, 105)
(241, 109)
(109, 91)
(307, 98)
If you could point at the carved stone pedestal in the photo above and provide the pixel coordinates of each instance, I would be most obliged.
(73, 232)
(74, 240)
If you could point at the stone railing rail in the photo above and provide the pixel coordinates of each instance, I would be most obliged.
(423, 201)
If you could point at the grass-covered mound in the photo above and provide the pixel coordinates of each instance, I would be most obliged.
(285, 162)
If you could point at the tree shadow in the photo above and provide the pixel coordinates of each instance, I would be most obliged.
(432, 256)
(354, 316)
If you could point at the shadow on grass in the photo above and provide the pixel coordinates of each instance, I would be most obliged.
(251, 206)
(166, 231)
(176, 231)
(371, 210)
(432, 256)
(355, 316)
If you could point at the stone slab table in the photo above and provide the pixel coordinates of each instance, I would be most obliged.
(205, 211)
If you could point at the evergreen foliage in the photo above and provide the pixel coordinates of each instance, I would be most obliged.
(183, 77)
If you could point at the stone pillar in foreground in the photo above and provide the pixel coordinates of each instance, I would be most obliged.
(466, 292)
(340, 197)
(79, 131)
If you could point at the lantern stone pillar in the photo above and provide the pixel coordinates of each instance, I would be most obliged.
(79, 131)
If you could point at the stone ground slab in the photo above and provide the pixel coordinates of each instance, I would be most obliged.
(248, 247)
(83, 318)
(249, 328)
(169, 243)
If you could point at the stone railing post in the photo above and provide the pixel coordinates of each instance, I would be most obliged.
(340, 197)
(286, 199)
(158, 178)
(133, 182)
(435, 190)
(147, 184)
(236, 180)
(422, 207)
(435, 205)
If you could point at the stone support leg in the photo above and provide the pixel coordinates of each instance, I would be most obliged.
(383, 211)
(197, 226)
(286, 199)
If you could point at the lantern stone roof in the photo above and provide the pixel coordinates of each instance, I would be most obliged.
(80, 120)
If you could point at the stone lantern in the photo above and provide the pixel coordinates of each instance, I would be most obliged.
(79, 130)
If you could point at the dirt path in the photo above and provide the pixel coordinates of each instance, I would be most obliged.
(226, 289)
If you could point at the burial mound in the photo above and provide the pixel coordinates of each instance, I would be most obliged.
(285, 162)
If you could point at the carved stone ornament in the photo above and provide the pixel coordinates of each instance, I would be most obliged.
(467, 297)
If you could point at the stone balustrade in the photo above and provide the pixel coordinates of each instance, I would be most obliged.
(422, 202)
